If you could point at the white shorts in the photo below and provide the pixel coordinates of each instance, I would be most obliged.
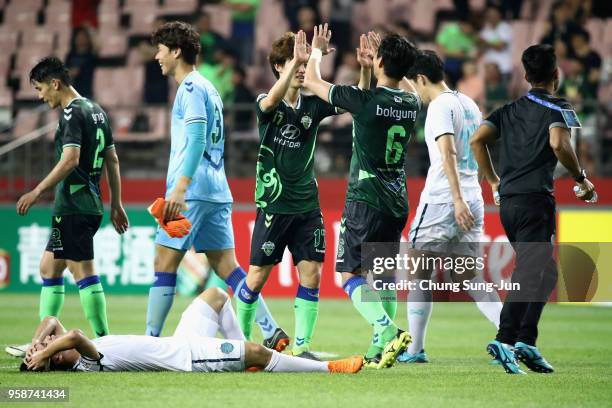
(208, 353)
(434, 227)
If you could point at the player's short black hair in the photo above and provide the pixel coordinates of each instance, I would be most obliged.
(179, 35)
(398, 55)
(540, 63)
(429, 64)
(584, 34)
(50, 68)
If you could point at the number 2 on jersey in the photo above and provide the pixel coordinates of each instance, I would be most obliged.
(395, 148)
(99, 161)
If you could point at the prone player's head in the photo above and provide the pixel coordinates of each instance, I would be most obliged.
(61, 361)
(540, 63)
(281, 54)
(394, 58)
(50, 77)
(427, 70)
(176, 41)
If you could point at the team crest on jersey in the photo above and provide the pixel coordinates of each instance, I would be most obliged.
(227, 348)
(306, 121)
(268, 247)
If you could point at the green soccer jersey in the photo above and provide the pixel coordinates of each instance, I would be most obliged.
(285, 182)
(82, 124)
(383, 119)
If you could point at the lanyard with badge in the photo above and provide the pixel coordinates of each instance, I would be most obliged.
(569, 115)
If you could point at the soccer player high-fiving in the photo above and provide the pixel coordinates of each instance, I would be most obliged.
(376, 207)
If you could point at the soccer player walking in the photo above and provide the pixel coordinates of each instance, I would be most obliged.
(84, 149)
(196, 182)
(451, 209)
(533, 134)
(376, 206)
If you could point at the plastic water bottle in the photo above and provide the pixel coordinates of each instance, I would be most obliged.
(578, 191)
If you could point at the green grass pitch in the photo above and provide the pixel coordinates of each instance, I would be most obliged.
(576, 340)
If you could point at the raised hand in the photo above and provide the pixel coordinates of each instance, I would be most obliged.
(300, 49)
(365, 56)
(374, 40)
(321, 37)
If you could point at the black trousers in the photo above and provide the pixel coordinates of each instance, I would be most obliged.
(529, 222)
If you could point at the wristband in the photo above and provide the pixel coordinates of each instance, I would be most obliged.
(581, 177)
(316, 54)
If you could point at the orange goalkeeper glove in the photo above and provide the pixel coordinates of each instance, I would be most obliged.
(176, 228)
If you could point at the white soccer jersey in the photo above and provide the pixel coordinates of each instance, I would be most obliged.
(451, 112)
(139, 353)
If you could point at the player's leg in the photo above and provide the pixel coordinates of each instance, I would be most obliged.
(208, 313)
(269, 360)
(268, 244)
(215, 281)
(76, 234)
(169, 253)
(52, 290)
(488, 303)
(162, 291)
(307, 245)
(306, 306)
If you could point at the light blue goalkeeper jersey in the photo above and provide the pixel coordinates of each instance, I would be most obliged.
(197, 100)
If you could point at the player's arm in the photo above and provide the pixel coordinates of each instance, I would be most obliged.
(278, 91)
(67, 163)
(313, 80)
(485, 135)
(559, 139)
(47, 330)
(73, 339)
(113, 175)
(448, 152)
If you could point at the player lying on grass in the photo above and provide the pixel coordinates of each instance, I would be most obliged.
(196, 182)
(84, 149)
(287, 197)
(193, 347)
(376, 208)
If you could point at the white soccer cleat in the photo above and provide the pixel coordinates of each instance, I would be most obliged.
(17, 351)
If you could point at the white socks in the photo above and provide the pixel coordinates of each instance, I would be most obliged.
(283, 363)
(419, 306)
(488, 303)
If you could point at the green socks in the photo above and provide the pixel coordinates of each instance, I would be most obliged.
(367, 302)
(306, 308)
(94, 304)
(246, 307)
(51, 297)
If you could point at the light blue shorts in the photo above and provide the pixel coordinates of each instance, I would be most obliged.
(211, 228)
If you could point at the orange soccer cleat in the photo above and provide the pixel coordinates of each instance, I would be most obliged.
(177, 228)
(349, 365)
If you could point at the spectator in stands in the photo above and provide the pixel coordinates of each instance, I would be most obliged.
(496, 92)
(292, 8)
(219, 72)
(244, 13)
(560, 25)
(157, 88)
(210, 41)
(340, 19)
(590, 59)
(457, 43)
(348, 71)
(495, 40)
(307, 19)
(510, 9)
(81, 61)
(241, 99)
(85, 14)
(471, 83)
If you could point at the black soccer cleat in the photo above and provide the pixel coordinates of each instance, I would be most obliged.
(278, 341)
(307, 355)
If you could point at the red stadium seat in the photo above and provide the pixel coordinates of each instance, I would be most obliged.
(179, 6)
(38, 37)
(8, 40)
(113, 43)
